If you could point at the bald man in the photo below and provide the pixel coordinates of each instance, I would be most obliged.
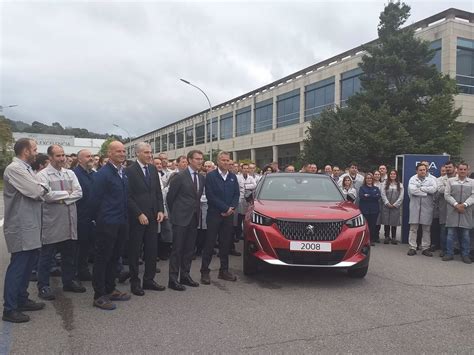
(110, 193)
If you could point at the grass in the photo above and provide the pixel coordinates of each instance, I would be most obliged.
(1, 184)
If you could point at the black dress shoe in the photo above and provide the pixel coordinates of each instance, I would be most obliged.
(152, 285)
(188, 281)
(30, 306)
(137, 290)
(15, 317)
(205, 278)
(176, 286)
(74, 286)
(235, 253)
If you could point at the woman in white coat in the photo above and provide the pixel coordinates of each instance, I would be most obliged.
(392, 199)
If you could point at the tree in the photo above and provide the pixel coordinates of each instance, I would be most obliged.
(105, 146)
(6, 142)
(405, 105)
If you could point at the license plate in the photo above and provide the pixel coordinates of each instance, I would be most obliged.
(310, 246)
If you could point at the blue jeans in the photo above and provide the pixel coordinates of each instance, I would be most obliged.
(442, 237)
(17, 278)
(67, 249)
(465, 240)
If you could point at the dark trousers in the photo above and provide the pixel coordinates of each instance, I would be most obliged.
(372, 221)
(200, 240)
(143, 238)
(388, 230)
(184, 240)
(17, 278)
(222, 228)
(110, 239)
(85, 242)
(67, 249)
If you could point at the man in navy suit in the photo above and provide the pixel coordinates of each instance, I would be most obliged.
(145, 207)
(183, 201)
(110, 192)
(222, 192)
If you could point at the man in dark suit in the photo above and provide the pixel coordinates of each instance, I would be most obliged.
(145, 209)
(183, 201)
(222, 192)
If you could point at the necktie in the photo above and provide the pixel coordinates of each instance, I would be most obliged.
(147, 174)
(196, 182)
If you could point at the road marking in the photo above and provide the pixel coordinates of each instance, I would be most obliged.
(5, 338)
(1, 222)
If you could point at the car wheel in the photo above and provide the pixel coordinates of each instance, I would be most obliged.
(358, 273)
(250, 262)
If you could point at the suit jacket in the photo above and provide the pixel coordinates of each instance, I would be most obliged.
(182, 199)
(143, 197)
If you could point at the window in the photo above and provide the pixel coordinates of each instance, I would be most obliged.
(179, 138)
(171, 140)
(465, 66)
(189, 133)
(200, 136)
(242, 121)
(263, 116)
(157, 144)
(214, 130)
(436, 45)
(164, 142)
(226, 126)
(350, 84)
(288, 108)
(318, 97)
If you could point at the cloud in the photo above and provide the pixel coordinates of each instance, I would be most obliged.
(90, 65)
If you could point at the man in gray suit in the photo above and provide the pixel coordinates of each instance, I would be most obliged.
(183, 200)
(22, 196)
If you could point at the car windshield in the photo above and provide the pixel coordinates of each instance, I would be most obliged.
(299, 187)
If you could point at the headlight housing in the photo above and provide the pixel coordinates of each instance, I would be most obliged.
(357, 221)
(258, 218)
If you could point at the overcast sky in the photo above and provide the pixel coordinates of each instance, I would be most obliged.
(92, 64)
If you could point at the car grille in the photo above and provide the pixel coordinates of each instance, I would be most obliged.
(310, 258)
(314, 231)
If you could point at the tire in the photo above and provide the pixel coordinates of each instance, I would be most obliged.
(358, 273)
(250, 263)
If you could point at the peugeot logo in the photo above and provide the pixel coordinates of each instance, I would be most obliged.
(310, 229)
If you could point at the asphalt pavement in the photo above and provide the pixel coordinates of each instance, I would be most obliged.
(404, 305)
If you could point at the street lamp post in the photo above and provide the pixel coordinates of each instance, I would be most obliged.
(129, 135)
(210, 115)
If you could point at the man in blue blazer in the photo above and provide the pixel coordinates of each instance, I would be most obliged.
(111, 193)
(222, 192)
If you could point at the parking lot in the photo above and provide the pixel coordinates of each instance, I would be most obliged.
(404, 305)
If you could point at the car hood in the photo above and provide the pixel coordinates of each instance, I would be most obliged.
(306, 210)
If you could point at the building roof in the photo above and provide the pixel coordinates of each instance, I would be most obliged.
(450, 13)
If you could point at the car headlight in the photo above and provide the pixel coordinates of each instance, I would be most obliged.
(355, 222)
(258, 218)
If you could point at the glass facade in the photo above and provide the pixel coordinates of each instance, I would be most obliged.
(200, 133)
(436, 45)
(242, 121)
(318, 97)
(164, 143)
(171, 140)
(350, 84)
(214, 130)
(180, 138)
(157, 145)
(288, 108)
(465, 66)
(263, 116)
(226, 126)
(189, 136)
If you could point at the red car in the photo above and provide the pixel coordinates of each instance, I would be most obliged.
(303, 220)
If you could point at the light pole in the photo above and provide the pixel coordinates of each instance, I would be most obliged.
(210, 115)
(129, 135)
